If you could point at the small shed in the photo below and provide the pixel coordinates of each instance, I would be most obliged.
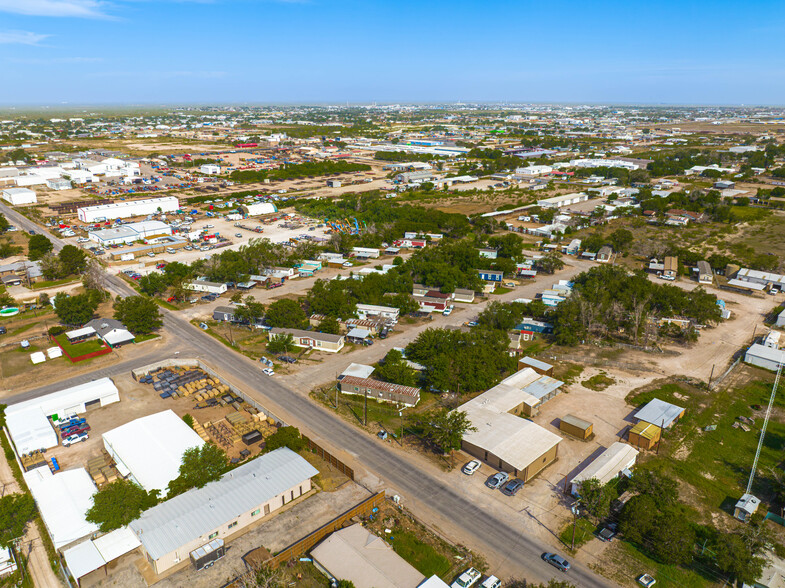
(644, 435)
(746, 507)
(576, 427)
(661, 413)
(542, 368)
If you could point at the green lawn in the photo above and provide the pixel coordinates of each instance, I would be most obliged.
(53, 283)
(502, 290)
(422, 556)
(717, 463)
(584, 532)
(147, 337)
(667, 576)
(83, 348)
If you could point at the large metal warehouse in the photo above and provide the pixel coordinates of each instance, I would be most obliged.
(765, 357)
(28, 421)
(175, 528)
(124, 209)
(17, 196)
(150, 449)
(258, 208)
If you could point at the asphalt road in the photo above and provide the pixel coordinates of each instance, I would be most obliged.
(418, 486)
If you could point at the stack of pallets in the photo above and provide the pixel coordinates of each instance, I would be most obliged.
(102, 470)
(199, 430)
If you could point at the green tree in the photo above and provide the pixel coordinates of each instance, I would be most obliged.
(445, 429)
(285, 437)
(329, 325)
(43, 299)
(595, 498)
(737, 560)
(153, 284)
(140, 314)
(119, 503)
(394, 369)
(4, 224)
(38, 246)
(199, 466)
(551, 262)
(672, 538)
(637, 518)
(73, 260)
(281, 344)
(663, 491)
(16, 510)
(345, 584)
(250, 311)
(621, 239)
(286, 313)
(74, 310)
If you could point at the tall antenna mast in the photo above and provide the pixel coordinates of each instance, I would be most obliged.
(765, 424)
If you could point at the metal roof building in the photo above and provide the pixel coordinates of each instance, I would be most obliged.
(765, 357)
(151, 448)
(608, 465)
(660, 413)
(171, 530)
(368, 561)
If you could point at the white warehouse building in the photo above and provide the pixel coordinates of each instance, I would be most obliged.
(28, 422)
(17, 196)
(210, 169)
(130, 233)
(563, 200)
(258, 208)
(91, 214)
(150, 449)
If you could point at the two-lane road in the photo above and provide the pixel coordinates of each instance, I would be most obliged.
(420, 488)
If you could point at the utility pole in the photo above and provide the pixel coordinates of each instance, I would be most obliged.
(574, 510)
(400, 438)
(365, 408)
(711, 375)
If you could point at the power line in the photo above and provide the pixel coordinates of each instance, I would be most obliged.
(765, 424)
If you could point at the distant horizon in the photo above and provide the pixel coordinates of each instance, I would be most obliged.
(376, 103)
(139, 52)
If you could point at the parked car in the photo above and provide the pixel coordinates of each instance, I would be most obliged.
(447, 311)
(74, 439)
(511, 488)
(471, 467)
(557, 561)
(608, 532)
(466, 579)
(496, 480)
(646, 581)
(268, 372)
(238, 235)
(491, 582)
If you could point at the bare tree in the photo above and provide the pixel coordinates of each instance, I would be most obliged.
(259, 576)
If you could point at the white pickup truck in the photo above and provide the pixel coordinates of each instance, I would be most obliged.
(467, 579)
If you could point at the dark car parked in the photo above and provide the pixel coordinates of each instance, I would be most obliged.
(511, 488)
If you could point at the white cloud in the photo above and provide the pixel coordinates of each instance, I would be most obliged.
(60, 8)
(21, 38)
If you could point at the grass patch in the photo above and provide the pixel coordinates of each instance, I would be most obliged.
(23, 328)
(53, 283)
(749, 213)
(567, 372)
(598, 382)
(667, 576)
(165, 304)
(422, 556)
(79, 349)
(147, 337)
(584, 532)
(673, 393)
(502, 290)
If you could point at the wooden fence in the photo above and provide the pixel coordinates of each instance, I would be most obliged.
(329, 458)
(260, 557)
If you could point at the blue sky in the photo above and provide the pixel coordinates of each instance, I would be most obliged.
(308, 51)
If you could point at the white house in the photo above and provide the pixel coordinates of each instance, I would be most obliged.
(205, 286)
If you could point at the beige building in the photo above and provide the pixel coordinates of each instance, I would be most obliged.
(170, 531)
(311, 339)
(504, 439)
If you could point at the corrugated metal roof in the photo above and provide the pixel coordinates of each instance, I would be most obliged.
(379, 385)
(571, 419)
(645, 430)
(170, 525)
(535, 363)
(660, 413)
